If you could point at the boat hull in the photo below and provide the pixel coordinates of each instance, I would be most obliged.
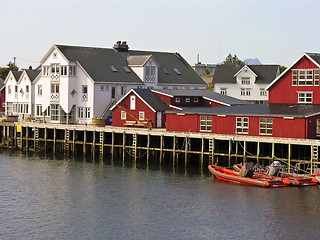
(228, 175)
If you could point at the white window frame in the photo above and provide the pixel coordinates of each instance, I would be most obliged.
(150, 73)
(242, 125)
(265, 126)
(39, 87)
(123, 115)
(177, 99)
(205, 123)
(263, 92)
(245, 91)
(39, 110)
(305, 97)
(141, 115)
(245, 80)
(224, 91)
(187, 100)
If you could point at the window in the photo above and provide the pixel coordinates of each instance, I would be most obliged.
(54, 112)
(263, 92)
(245, 91)
(54, 88)
(187, 100)
(245, 80)
(205, 123)
(132, 102)
(46, 70)
(9, 89)
(64, 70)
(38, 110)
(101, 87)
(112, 68)
(126, 69)
(16, 89)
(113, 92)
(176, 71)
(165, 70)
(55, 69)
(123, 115)
(294, 77)
(178, 99)
(196, 99)
(27, 89)
(151, 73)
(84, 93)
(304, 97)
(123, 90)
(81, 112)
(141, 116)
(72, 71)
(47, 112)
(242, 125)
(224, 91)
(39, 90)
(88, 112)
(266, 126)
(318, 126)
(305, 77)
(316, 77)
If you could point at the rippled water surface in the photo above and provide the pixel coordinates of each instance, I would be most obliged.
(45, 198)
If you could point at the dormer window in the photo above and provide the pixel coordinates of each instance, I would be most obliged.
(176, 71)
(245, 81)
(151, 73)
(112, 68)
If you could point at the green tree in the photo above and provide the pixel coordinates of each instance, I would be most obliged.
(5, 70)
(233, 60)
(282, 68)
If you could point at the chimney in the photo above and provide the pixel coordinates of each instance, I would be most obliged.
(121, 46)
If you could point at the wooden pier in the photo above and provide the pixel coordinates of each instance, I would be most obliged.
(159, 145)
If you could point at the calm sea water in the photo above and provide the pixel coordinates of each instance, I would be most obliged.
(49, 198)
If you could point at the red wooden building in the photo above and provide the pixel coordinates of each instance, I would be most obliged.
(273, 120)
(139, 108)
(299, 83)
(293, 110)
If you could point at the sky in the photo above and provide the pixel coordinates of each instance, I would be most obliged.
(274, 31)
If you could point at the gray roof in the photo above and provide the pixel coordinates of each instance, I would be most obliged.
(265, 73)
(268, 110)
(95, 61)
(152, 99)
(167, 62)
(315, 57)
(216, 97)
(16, 74)
(32, 74)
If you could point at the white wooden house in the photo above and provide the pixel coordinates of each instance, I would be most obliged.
(79, 83)
(245, 82)
(19, 88)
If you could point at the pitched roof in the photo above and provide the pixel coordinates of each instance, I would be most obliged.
(32, 74)
(168, 62)
(268, 110)
(315, 57)
(210, 95)
(17, 74)
(265, 73)
(95, 61)
(1, 83)
(152, 99)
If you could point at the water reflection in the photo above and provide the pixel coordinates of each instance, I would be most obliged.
(44, 197)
